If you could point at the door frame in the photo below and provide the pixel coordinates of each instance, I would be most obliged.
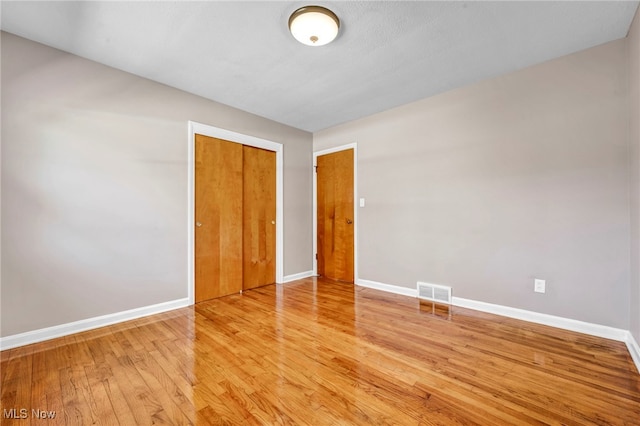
(217, 132)
(316, 154)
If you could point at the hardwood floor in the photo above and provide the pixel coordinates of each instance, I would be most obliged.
(320, 352)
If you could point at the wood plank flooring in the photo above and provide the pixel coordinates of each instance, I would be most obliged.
(316, 352)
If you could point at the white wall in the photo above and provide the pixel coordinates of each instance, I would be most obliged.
(489, 186)
(94, 187)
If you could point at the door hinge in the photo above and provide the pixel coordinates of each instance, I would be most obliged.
(316, 256)
(316, 167)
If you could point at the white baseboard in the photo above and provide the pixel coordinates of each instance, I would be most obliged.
(298, 276)
(634, 350)
(538, 318)
(42, 334)
(597, 330)
(387, 287)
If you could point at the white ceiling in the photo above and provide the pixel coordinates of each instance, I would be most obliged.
(387, 53)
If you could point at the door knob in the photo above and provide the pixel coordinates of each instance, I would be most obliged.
(198, 224)
(349, 221)
(273, 222)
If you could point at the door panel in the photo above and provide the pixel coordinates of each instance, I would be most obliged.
(218, 217)
(335, 215)
(259, 207)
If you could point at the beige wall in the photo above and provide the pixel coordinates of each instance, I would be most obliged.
(633, 45)
(94, 187)
(482, 188)
(489, 186)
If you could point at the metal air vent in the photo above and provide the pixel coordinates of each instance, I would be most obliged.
(434, 292)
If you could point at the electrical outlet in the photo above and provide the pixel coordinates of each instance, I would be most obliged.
(539, 286)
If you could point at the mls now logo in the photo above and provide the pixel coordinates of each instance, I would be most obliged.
(23, 413)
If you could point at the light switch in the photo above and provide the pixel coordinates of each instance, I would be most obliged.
(361, 202)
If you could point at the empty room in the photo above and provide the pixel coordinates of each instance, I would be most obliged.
(324, 213)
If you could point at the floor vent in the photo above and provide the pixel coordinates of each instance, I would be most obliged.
(434, 293)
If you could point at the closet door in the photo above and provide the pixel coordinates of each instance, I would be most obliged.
(259, 217)
(218, 217)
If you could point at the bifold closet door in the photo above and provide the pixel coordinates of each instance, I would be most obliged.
(218, 217)
(259, 217)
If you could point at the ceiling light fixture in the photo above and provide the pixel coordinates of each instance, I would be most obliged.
(314, 25)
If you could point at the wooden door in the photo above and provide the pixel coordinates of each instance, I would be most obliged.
(335, 215)
(259, 217)
(218, 217)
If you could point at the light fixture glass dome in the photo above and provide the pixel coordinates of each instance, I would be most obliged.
(314, 25)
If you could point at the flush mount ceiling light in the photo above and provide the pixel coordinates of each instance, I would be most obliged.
(314, 25)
